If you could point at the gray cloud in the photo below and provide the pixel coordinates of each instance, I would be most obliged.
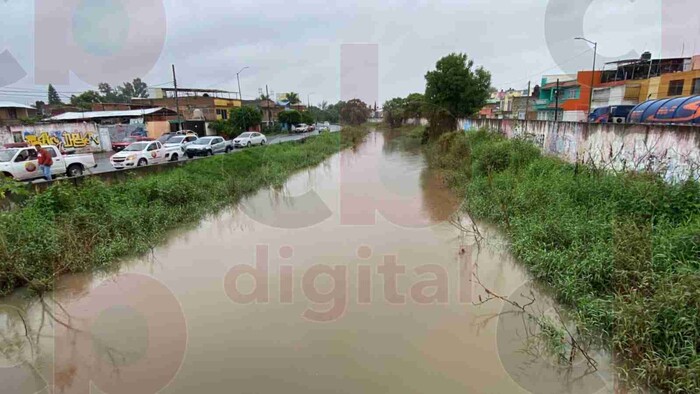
(296, 46)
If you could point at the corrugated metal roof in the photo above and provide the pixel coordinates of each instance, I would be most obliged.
(9, 104)
(105, 114)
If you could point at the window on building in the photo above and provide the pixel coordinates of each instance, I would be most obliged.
(675, 88)
(12, 113)
(570, 94)
(696, 86)
(223, 113)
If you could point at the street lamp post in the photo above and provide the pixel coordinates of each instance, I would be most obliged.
(595, 54)
(240, 95)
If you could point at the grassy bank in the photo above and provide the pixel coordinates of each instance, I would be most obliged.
(622, 251)
(73, 229)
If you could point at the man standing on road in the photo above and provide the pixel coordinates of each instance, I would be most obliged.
(45, 161)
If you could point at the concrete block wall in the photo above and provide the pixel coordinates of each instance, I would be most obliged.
(670, 150)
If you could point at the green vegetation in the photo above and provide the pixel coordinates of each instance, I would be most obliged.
(622, 251)
(398, 110)
(454, 90)
(54, 98)
(355, 112)
(239, 120)
(81, 228)
(106, 94)
(290, 117)
(325, 112)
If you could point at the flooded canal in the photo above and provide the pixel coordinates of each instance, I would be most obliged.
(351, 278)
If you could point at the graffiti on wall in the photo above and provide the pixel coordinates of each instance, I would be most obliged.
(673, 152)
(83, 137)
(62, 139)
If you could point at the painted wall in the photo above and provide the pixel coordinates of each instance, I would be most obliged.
(673, 151)
(5, 136)
(157, 128)
(120, 131)
(83, 137)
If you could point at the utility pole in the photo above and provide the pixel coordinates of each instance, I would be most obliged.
(556, 102)
(177, 101)
(238, 78)
(595, 55)
(527, 101)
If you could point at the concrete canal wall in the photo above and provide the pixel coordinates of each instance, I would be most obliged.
(671, 150)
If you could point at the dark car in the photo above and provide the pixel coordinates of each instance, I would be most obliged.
(121, 145)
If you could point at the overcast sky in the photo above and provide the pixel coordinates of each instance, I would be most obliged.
(297, 46)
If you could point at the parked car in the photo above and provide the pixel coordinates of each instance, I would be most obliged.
(121, 145)
(208, 146)
(249, 139)
(177, 144)
(23, 163)
(310, 128)
(166, 136)
(140, 154)
(300, 128)
(323, 129)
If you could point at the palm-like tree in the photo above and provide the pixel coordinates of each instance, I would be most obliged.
(293, 98)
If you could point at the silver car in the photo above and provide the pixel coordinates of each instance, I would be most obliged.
(207, 146)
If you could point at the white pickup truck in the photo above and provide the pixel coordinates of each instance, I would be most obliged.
(142, 153)
(22, 163)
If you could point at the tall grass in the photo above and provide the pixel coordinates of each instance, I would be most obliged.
(622, 250)
(80, 228)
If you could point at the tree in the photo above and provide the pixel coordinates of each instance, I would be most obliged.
(354, 112)
(245, 118)
(264, 97)
(54, 98)
(455, 90)
(290, 117)
(293, 98)
(85, 100)
(222, 127)
(414, 106)
(307, 117)
(394, 112)
(137, 88)
(109, 95)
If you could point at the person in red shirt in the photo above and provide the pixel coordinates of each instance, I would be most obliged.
(45, 161)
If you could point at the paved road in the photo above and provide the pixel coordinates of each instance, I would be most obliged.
(103, 164)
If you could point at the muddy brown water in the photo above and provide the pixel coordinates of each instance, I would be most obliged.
(350, 278)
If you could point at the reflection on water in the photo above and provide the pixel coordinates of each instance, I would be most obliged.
(350, 278)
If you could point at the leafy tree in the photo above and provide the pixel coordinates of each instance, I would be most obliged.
(245, 118)
(264, 97)
(293, 98)
(333, 112)
(307, 117)
(223, 127)
(414, 106)
(85, 100)
(290, 117)
(454, 90)
(54, 98)
(354, 112)
(137, 88)
(394, 112)
(109, 95)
